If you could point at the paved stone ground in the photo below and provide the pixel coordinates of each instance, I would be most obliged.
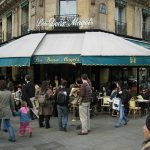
(104, 136)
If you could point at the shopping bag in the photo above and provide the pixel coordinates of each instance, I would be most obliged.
(116, 103)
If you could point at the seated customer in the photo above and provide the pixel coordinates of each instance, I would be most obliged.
(146, 131)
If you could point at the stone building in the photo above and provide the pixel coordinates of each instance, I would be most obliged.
(127, 18)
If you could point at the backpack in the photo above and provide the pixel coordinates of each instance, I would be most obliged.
(61, 97)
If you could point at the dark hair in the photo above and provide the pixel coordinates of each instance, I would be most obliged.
(84, 76)
(44, 86)
(63, 83)
(2, 85)
(147, 123)
(28, 77)
(78, 81)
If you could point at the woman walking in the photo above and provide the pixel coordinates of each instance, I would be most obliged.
(6, 108)
(45, 105)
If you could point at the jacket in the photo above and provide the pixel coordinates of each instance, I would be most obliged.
(48, 108)
(6, 104)
(85, 93)
(146, 145)
(28, 92)
(24, 114)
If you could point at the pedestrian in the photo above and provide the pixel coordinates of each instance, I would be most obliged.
(62, 101)
(146, 132)
(24, 114)
(28, 95)
(118, 95)
(7, 106)
(84, 107)
(45, 105)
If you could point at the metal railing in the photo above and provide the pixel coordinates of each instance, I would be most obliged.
(24, 28)
(146, 34)
(120, 27)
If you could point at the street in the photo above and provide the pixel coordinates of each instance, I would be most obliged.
(103, 136)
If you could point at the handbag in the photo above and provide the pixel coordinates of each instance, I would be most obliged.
(77, 100)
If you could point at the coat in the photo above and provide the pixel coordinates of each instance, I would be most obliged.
(48, 109)
(28, 92)
(6, 104)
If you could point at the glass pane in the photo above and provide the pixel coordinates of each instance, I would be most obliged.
(67, 7)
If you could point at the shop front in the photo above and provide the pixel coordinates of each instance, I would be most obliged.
(105, 57)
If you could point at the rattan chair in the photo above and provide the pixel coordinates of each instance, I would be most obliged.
(105, 103)
(134, 108)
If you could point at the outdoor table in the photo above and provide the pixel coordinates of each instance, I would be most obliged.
(144, 101)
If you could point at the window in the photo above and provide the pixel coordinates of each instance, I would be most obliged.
(120, 20)
(0, 31)
(120, 14)
(103, 8)
(9, 26)
(67, 7)
(25, 17)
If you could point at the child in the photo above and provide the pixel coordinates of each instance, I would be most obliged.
(24, 114)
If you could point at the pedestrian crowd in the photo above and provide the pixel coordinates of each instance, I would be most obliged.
(31, 101)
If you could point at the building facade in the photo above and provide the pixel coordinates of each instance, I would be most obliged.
(122, 17)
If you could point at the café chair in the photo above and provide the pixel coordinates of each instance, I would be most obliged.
(105, 103)
(133, 107)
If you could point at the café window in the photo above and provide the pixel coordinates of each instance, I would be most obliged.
(67, 7)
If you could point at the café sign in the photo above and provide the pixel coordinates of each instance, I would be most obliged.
(52, 22)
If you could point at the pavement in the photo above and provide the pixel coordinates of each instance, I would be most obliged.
(103, 136)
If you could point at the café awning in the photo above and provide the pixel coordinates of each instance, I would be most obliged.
(19, 52)
(107, 49)
(59, 49)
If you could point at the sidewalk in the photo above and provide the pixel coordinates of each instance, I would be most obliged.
(104, 136)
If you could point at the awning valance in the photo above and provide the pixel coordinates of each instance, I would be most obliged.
(59, 49)
(19, 52)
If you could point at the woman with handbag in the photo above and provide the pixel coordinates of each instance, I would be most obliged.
(46, 105)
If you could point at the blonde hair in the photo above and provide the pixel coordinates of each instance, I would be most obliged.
(23, 104)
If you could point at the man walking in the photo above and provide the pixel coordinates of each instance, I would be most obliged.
(28, 95)
(84, 107)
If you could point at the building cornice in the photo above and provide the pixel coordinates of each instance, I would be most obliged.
(145, 3)
(6, 4)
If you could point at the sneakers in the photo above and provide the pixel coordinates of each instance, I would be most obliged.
(81, 133)
(11, 140)
(65, 129)
(117, 125)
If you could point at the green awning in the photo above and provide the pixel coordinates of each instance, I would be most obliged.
(56, 59)
(116, 60)
(8, 62)
(19, 52)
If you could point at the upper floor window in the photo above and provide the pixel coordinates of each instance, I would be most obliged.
(1, 38)
(25, 18)
(120, 18)
(146, 24)
(103, 8)
(67, 7)
(9, 26)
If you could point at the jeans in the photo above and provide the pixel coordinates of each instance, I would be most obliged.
(122, 118)
(62, 116)
(9, 127)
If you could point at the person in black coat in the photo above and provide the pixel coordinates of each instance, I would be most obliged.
(28, 93)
